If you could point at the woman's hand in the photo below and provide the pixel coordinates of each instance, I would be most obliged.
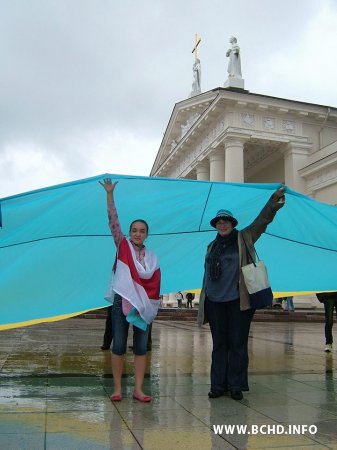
(278, 195)
(108, 185)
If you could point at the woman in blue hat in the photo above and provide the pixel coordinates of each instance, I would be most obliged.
(224, 299)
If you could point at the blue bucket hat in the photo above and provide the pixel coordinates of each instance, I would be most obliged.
(225, 215)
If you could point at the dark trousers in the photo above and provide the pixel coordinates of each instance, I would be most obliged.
(230, 329)
(329, 306)
(107, 339)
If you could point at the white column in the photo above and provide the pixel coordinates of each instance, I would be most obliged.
(295, 159)
(202, 170)
(217, 166)
(234, 160)
(165, 299)
(172, 298)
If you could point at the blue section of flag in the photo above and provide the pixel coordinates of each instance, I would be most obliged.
(56, 251)
(134, 318)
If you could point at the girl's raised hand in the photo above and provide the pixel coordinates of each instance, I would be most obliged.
(108, 185)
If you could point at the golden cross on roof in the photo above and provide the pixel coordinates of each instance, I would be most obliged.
(195, 48)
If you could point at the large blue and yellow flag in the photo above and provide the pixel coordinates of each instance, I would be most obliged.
(56, 250)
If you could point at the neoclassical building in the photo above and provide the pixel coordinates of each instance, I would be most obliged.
(230, 134)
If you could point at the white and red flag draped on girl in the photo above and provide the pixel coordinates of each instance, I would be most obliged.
(138, 285)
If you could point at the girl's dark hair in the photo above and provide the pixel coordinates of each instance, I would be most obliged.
(142, 221)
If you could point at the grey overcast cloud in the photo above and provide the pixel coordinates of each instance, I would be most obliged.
(88, 86)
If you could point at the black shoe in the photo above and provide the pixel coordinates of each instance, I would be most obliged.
(215, 394)
(105, 347)
(236, 395)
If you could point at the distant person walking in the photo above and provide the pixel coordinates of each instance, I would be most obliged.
(179, 298)
(189, 299)
(289, 304)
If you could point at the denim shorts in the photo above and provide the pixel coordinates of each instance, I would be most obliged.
(120, 328)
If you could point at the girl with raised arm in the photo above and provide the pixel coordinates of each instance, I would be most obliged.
(136, 288)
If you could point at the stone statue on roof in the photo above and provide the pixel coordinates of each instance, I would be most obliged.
(234, 64)
(196, 85)
(234, 79)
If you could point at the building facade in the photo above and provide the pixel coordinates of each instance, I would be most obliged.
(232, 135)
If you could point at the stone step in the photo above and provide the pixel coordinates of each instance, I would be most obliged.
(190, 315)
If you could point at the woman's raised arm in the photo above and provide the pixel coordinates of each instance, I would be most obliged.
(112, 212)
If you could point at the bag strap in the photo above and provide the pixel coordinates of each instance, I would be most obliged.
(248, 252)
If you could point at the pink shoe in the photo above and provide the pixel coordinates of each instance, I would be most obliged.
(142, 398)
(116, 398)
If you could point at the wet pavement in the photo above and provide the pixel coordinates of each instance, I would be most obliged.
(55, 384)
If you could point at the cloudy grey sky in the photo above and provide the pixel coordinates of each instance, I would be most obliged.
(88, 86)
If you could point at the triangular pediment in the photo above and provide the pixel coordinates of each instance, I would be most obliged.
(184, 116)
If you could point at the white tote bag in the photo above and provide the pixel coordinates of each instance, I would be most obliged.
(257, 283)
